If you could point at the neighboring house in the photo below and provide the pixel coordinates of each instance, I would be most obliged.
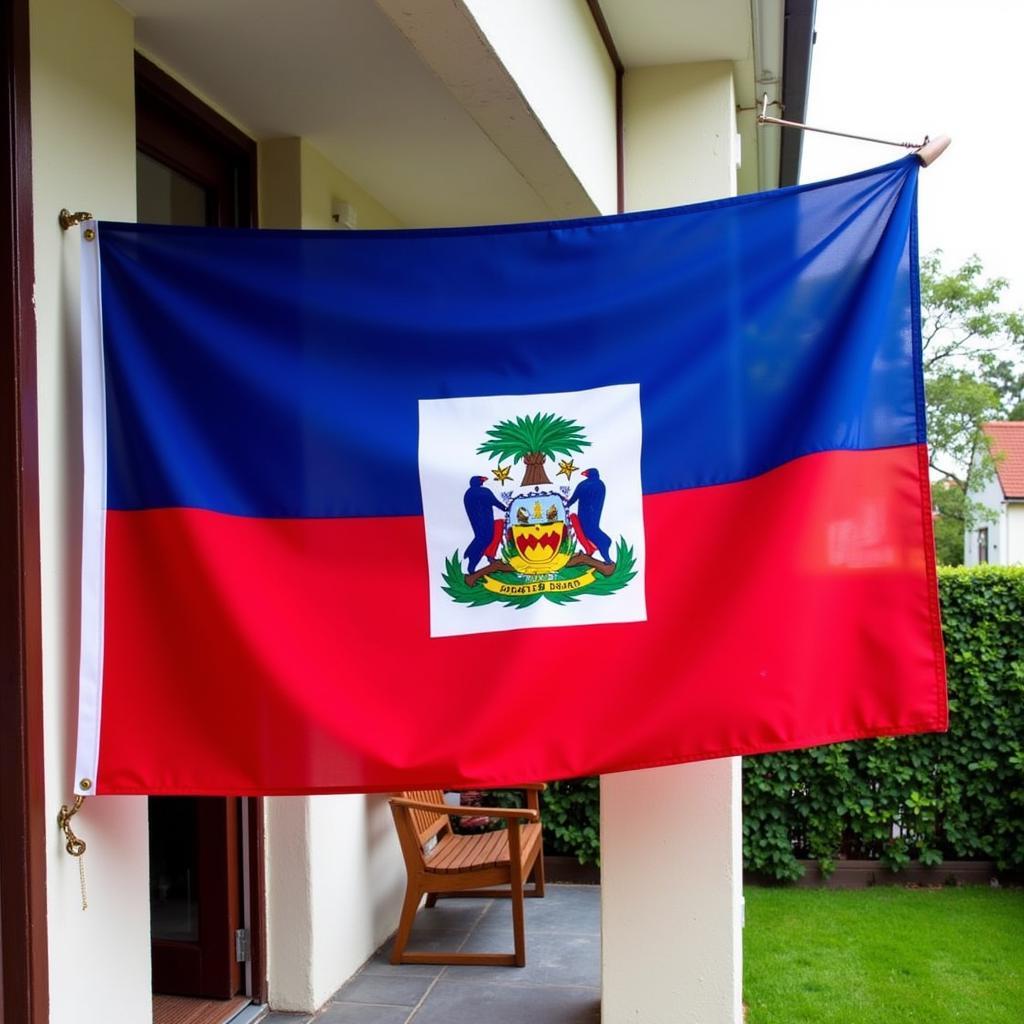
(328, 114)
(1001, 539)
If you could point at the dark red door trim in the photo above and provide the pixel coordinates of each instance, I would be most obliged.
(257, 898)
(23, 984)
(178, 129)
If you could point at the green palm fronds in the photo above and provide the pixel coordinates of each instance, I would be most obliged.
(547, 434)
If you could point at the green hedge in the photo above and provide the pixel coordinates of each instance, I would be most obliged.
(956, 795)
(570, 810)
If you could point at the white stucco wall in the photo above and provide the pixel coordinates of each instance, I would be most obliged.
(1014, 543)
(335, 881)
(999, 542)
(83, 156)
(679, 130)
(671, 838)
(299, 186)
(322, 184)
(358, 885)
(289, 886)
(558, 60)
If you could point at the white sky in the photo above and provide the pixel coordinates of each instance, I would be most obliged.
(902, 69)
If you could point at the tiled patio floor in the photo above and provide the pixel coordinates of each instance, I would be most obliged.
(560, 983)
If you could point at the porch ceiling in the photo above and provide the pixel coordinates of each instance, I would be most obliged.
(749, 33)
(652, 32)
(341, 76)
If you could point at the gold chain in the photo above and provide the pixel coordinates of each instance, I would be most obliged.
(81, 882)
(74, 845)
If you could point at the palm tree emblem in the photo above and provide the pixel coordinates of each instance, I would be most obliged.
(538, 548)
(531, 440)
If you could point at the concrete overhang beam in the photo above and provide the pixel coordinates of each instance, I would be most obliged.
(449, 40)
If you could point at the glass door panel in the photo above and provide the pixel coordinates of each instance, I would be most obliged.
(167, 197)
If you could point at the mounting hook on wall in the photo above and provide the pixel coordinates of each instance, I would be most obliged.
(67, 219)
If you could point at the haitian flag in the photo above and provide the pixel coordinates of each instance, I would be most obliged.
(379, 510)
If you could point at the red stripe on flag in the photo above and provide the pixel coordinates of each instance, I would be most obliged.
(247, 656)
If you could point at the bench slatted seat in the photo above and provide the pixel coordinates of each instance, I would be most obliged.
(440, 863)
(454, 853)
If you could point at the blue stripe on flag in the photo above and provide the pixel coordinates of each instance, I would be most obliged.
(278, 373)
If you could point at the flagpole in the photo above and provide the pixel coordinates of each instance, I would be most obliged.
(927, 151)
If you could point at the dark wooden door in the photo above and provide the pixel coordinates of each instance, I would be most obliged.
(193, 169)
(195, 895)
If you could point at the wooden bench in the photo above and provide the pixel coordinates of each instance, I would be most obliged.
(472, 865)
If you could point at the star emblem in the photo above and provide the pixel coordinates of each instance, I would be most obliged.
(566, 468)
(502, 473)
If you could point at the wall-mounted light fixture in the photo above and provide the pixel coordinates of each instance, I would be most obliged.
(343, 214)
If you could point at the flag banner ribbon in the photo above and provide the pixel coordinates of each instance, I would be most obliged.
(382, 510)
(495, 586)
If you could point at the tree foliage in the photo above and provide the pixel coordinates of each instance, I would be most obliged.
(972, 351)
(948, 504)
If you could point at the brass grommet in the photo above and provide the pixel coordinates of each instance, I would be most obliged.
(85, 784)
(89, 234)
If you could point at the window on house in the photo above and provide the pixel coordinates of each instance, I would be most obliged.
(983, 545)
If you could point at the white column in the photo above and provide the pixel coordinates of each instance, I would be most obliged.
(671, 838)
(335, 882)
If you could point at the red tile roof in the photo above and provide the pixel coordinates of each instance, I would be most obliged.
(1008, 447)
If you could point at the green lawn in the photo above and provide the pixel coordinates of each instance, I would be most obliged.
(884, 956)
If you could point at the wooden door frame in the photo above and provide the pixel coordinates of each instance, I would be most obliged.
(185, 111)
(189, 115)
(24, 995)
(257, 893)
